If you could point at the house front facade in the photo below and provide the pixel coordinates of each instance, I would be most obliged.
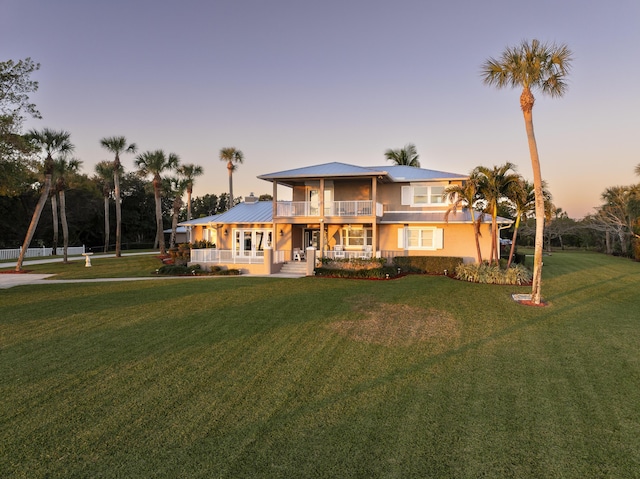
(348, 211)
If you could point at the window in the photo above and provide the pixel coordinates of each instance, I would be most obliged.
(423, 195)
(250, 242)
(357, 237)
(424, 238)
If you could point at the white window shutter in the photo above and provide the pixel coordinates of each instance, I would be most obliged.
(401, 238)
(438, 238)
(406, 195)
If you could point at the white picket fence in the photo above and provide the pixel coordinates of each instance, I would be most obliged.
(39, 252)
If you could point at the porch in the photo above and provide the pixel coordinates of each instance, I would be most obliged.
(290, 209)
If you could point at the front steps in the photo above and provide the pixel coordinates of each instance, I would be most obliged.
(295, 268)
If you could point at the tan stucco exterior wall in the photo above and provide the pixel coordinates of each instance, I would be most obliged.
(458, 241)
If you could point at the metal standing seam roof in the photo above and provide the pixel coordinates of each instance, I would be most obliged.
(258, 212)
(205, 220)
(394, 173)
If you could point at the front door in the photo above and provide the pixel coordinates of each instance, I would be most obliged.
(311, 238)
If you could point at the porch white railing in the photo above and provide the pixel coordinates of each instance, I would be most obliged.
(39, 252)
(225, 256)
(348, 254)
(333, 208)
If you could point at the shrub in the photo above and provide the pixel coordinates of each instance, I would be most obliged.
(493, 274)
(352, 263)
(370, 273)
(426, 264)
(179, 269)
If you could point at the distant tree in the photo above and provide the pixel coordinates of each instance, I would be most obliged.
(175, 186)
(407, 156)
(51, 142)
(233, 157)
(104, 176)
(118, 145)
(15, 87)
(189, 172)
(529, 66)
(265, 197)
(154, 163)
(465, 196)
(206, 205)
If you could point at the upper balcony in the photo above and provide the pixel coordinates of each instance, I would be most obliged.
(290, 209)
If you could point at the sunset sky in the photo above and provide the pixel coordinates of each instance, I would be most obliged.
(295, 83)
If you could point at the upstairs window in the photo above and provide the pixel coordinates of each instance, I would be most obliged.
(423, 195)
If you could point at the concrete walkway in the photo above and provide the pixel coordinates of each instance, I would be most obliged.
(10, 280)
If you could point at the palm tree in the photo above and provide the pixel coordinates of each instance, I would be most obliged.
(177, 186)
(637, 169)
(466, 196)
(104, 171)
(63, 169)
(233, 157)
(154, 163)
(189, 172)
(407, 156)
(51, 142)
(522, 196)
(532, 66)
(495, 184)
(118, 145)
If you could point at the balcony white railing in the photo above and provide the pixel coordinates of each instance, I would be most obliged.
(225, 256)
(334, 208)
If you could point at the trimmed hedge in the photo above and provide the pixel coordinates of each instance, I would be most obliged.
(182, 270)
(371, 273)
(426, 264)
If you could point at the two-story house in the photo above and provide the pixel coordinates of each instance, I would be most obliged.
(344, 211)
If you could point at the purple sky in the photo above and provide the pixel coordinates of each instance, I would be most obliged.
(295, 83)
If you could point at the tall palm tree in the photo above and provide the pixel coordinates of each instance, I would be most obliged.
(189, 172)
(63, 169)
(495, 184)
(466, 196)
(233, 157)
(407, 156)
(118, 145)
(51, 142)
(532, 66)
(104, 172)
(154, 163)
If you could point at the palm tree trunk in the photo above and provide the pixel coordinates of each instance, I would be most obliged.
(54, 215)
(106, 224)
(116, 189)
(34, 221)
(65, 226)
(476, 233)
(539, 210)
(230, 169)
(513, 241)
(494, 235)
(159, 229)
(189, 191)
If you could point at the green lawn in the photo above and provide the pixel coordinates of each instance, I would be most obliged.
(258, 377)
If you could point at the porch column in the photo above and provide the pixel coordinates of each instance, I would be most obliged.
(374, 222)
(321, 245)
